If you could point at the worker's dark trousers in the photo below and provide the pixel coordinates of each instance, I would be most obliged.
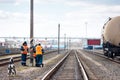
(39, 60)
(23, 59)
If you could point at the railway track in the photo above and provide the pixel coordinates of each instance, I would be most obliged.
(5, 61)
(99, 68)
(33, 73)
(68, 67)
(103, 56)
(9, 54)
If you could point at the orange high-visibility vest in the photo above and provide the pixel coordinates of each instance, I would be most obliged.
(34, 54)
(38, 50)
(25, 50)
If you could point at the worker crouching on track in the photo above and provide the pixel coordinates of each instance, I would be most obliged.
(24, 51)
(39, 55)
(34, 53)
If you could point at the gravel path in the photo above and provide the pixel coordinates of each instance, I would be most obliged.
(99, 68)
(32, 73)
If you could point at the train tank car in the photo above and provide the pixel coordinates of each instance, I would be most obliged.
(111, 37)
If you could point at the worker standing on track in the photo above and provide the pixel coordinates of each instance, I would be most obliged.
(24, 51)
(39, 55)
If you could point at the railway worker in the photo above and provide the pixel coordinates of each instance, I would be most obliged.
(34, 53)
(39, 55)
(24, 51)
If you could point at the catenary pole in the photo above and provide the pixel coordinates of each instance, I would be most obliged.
(58, 38)
(31, 31)
(64, 41)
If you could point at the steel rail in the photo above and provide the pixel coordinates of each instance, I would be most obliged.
(85, 77)
(102, 55)
(55, 68)
(5, 61)
(58, 65)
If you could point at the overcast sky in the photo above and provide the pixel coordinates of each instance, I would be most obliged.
(71, 14)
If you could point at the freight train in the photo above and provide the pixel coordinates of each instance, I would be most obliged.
(111, 37)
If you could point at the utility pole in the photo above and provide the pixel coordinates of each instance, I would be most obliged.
(58, 38)
(67, 43)
(31, 32)
(86, 29)
(64, 41)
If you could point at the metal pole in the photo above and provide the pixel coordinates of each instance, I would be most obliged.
(46, 43)
(58, 38)
(86, 28)
(67, 43)
(64, 41)
(31, 31)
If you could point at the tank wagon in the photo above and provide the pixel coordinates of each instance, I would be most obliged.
(111, 37)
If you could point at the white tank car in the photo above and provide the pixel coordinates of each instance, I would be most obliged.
(111, 37)
(111, 32)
